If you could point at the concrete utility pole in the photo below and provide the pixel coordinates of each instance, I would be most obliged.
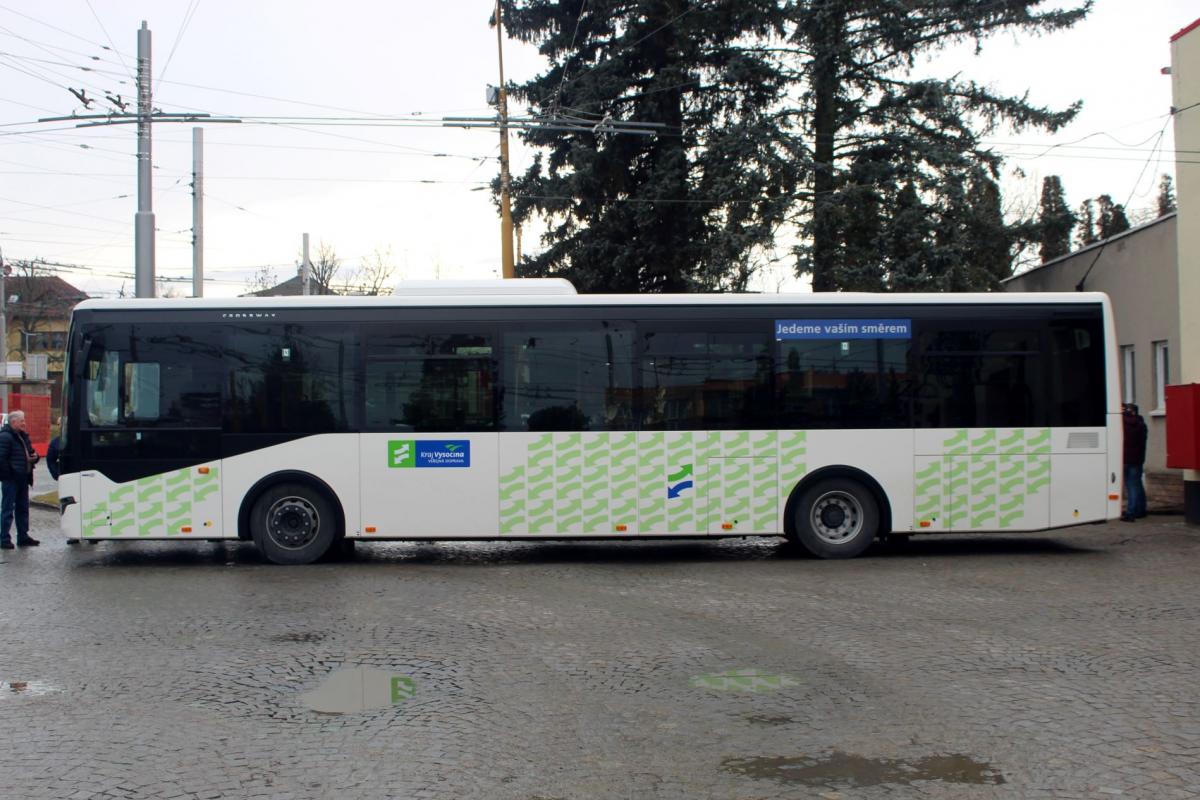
(1185, 91)
(506, 223)
(305, 268)
(197, 212)
(144, 219)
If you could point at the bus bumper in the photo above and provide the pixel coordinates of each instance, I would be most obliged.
(70, 520)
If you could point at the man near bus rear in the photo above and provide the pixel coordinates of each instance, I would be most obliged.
(17, 460)
(1134, 429)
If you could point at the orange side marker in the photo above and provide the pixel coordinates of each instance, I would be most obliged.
(726, 526)
(622, 528)
(1114, 497)
(186, 529)
(370, 529)
(203, 470)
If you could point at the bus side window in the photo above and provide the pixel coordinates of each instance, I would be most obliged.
(568, 377)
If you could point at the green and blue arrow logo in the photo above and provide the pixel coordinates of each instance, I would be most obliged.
(677, 478)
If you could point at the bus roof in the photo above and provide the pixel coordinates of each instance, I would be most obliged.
(634, 300)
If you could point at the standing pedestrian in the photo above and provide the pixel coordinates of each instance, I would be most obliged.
(53, 452)
(1135, 458)
(17, 461)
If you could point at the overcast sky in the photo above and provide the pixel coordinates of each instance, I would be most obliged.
(417, 190)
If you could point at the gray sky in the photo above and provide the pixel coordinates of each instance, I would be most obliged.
(412, 188)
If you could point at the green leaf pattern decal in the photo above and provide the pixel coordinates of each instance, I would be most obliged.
(793, 459)
(155, 506)
(591, 482)
(652, 474)
(985, 479)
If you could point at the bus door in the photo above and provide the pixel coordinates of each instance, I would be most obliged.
(148, 435)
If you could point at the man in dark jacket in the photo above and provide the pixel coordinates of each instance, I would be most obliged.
(17, 461)
(1135, 458)
(53, 452)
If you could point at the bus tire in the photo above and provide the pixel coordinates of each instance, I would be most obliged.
(835, 518)
(293, 523)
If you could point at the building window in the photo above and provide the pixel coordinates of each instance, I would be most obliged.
(1128, 376)
(1162, 374)
(42, 341)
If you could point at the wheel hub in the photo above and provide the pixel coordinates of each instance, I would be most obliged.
(292, 522)
(837, 517)
(833, 516)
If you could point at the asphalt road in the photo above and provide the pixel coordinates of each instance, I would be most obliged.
(1055, 666)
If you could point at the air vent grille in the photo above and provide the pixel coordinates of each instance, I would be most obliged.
(1083, 441)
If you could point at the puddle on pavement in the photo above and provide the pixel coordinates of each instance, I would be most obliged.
(767, 719)
(299, 636)
(355, 689)
(850, 770)
(26, 688)
(743, 680)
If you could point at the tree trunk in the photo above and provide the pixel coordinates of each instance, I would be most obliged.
(830, 26)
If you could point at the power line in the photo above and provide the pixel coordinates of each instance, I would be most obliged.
(26, 105)
(8, 58)
(571, 47)
(633, 44)
(106, 36)
(47, 47)
(61, 30)
(187, 20)
(69, 205)
(1100, 250)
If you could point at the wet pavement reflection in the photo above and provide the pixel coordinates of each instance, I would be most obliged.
(846, 770)
(1036, 666)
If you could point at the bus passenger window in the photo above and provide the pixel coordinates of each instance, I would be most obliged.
(438, 382)
(705, 379)
(568, 378)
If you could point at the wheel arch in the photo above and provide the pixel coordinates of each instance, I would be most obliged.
(287, 476)
(839, 471)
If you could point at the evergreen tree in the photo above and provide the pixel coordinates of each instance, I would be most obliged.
(1166, 195)
(687, 209)
(1112, 219)
(1055, 221)
(854, 68)
(990, 240)
(971, 245)
(1087, 224)
(908, 234)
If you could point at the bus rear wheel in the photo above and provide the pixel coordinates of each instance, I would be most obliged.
(293, 524)
(835, 518)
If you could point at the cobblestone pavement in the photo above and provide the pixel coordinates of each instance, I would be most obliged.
(1055, 666)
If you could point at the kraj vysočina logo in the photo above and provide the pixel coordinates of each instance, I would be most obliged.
(417, 453)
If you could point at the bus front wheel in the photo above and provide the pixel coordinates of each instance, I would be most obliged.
(835, 518)
(293, 524)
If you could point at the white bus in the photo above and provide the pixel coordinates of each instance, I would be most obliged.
(831, 419)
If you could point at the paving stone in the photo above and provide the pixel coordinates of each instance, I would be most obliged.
(1034, 666)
